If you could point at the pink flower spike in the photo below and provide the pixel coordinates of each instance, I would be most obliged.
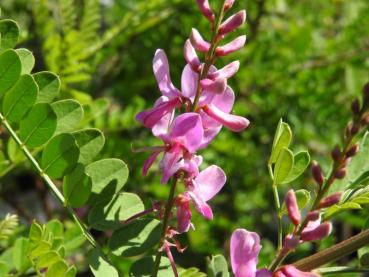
(292, 207)
(232, 23)
(317, 233)
(233, 122)
(198, 42)
(231, 47)
(161, 72)
(226, 72)
(245, 248)
(217, 86)
(291, 271)
(191, 56)
(152, 116)
(330, 200)
(206, 9)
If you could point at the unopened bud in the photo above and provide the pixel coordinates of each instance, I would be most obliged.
(340, 173)
(292, 207)
(198, 42)
(317, 173)
(232, 23)
(191, 56)
(330, 200)
(312, 216)
(336, 153)
(317, 233)
(228, 4)
(365, 119)
(231, 47)
(206, 9)
(355, 106)
(351, 129)
(291, 242)
(353, 150)
(366, 92)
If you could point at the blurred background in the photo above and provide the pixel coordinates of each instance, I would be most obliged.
(304, 61)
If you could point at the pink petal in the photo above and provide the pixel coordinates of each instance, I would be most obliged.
(151, 117)
(209, 182)
(263, 273)
(189, 82)
(233, 122)
(216, 86)
(205, 9)
(198, 42)
(291, 271)
(162, 126)
(187, 130)
(191, 166)
(232, 22)
(318, 233)
(183, 216)
(161, 71)
(292, 207)
(224, 101)
(245, 248)
(231, 47)
(209, 135)
(191, 56)
(170, 163)
(226, 72)
(201, 206)
(148, 163)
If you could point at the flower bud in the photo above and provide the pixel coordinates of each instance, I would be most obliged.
(330, 200)
(353, 150)
(317, 173)
(231, 47)
(366, 92)
(227, 5)
(312, 216)
(206, 9)
(340, 173)
(317, 233)
(355, 106)
(351, 129)
(336, 153)
(232, 23)
(198, 42)
(217, 86)
(225, 72)
(292, 207)
(365, 119)
(290, 242)
(191, 56)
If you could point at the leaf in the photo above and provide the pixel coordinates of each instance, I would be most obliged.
(135, 238)
(27, 60)
(49, 86)
(191, 272)
(38, 126)
(73, 238)
(40, 248)
(4, 268)
(35, 232)
(20, 257)
(301, 161)
(283, 165)
(340, 208)
(9, 32)
(303, 198)
(20, 98)
(58, 269)
(99, 266)
(60, 156)
(55, 227)
(90, 143)
(71, 272)
(69, 113)
(77, 187)
(108, 176)
(107, 215)
(48, 259)
(14, 152)
(363, 253)
(10, 70)
(217, 267)
(282, 139)
(143, 267)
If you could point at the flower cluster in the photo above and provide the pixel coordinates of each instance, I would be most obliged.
(188, 119)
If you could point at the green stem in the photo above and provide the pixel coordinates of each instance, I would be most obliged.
(334, 253)
(167, 212)
(279, 217)
(48, 181)
(209, 56)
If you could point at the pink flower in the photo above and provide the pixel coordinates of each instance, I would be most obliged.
(315, 230)
(231, 47)
(184, 137)
(198, 42)
(201, 189)
(206, 9)
(245, 248)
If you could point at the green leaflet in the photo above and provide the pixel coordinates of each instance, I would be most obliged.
(10, 70)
